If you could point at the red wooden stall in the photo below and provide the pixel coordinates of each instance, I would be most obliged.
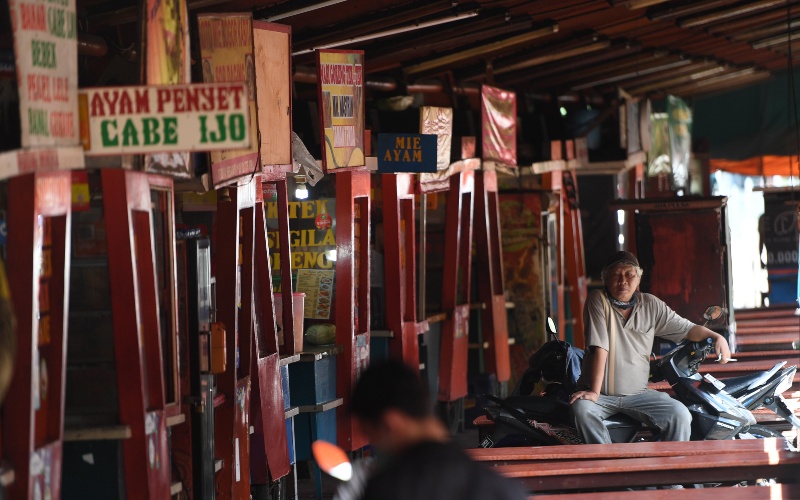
(137, 328)
(491, 287)
(352, 295)
(400, 267)
(38, 252)
(456, 278)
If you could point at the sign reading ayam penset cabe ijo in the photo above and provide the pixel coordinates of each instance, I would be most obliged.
(148, 119)
(46, 50)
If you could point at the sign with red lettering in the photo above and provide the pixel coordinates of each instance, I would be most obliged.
(167, 63)
(46, 50)
(226, 50)
(499, 125)
(173, 118)
(340, 77)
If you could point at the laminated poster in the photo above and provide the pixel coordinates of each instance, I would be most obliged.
(317, 284)
(499, 125)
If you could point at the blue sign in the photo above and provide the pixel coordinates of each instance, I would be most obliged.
(407, 153)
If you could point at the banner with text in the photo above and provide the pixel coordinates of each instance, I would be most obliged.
(407, 153)
(499, 125)
(174, 118)
(46, 49)
(226, 49)
(340, 77)
(312, 236)
(168, 63)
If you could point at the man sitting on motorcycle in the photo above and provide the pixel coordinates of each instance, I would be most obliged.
(620, 325)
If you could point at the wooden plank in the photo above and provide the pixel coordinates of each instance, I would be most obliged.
(176, 419)
(625, 450)
(775, 492)
(766, 328)
(632, 472)
(175, 488)
(767, 338)
(98, 433)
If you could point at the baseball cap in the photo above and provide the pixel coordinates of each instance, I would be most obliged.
(621, 258)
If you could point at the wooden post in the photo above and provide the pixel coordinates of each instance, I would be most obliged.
(492, 283)
(137, 345)
(456, 287)
(234, 273)
(352, 295)
(39, 218)
(400, 267)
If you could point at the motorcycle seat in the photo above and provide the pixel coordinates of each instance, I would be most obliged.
(736, 386)
(621, 420)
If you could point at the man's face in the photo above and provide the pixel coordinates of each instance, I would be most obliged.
(622, 281)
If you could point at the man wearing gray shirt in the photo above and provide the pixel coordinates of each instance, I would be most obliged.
(620, 325)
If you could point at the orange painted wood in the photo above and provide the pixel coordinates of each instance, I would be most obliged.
(767, 338)
(625, 450)
(491, 286)
(631, 472)
(36, 202)
(775, 492)
(456, 287)
(400, 266)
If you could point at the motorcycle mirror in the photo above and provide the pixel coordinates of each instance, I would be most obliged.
(713, 313)
(551, 325)
(332, 460)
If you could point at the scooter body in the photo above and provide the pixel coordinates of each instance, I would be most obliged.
(717, 413)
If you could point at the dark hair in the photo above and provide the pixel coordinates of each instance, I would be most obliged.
(389, 385)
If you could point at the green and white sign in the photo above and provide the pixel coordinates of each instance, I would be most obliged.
(46, 50)
(166, 118)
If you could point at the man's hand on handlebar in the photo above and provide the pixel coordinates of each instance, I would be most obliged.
(722, 349)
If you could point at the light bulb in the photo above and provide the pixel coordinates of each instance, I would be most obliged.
(300, 190)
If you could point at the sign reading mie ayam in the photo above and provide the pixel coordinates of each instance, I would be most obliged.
(146, 119)
(341, 103)
(46, 50)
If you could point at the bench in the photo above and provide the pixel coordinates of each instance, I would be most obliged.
(619, 473)
(774, 492)
(530, 454)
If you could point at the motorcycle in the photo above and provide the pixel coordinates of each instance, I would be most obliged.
(721, 409)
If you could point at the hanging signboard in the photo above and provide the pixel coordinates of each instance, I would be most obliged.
(499, 125)
(46, 49)
(167, 59)
(407, 153)
(273, 71)
(226, 51)
(174, 118)
(439, 121)
(340, 78)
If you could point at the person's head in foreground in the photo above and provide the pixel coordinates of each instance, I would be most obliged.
(393, 407)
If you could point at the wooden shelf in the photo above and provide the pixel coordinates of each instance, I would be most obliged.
(329, 405)
(381, 334)
(317, 353)
(583, 168)
(108, 433)
(288, 359)
(175, 488)
(176, 419)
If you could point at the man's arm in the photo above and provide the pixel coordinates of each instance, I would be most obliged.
(597, 371)
(699, 333)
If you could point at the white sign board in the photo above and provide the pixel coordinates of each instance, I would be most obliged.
(165, 118)
(46, 50)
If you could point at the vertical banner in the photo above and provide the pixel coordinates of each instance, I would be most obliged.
(226, 51)
(680, 139)
(340, 80)
(273, 67)
(439, 121)
(46, 49)
(520, 229)
(312, 236)
(167, 57)
(499, 125)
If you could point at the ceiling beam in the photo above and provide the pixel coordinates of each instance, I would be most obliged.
(669, 12)
(699, 88)
(773, 41)
(668, 63)
(730, 76)
(754, 21)
(486, 49)
(660, 76)
(757, 32)
(675, 80)
(721, 15)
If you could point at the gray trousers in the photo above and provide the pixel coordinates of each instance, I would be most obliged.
(654, 409)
